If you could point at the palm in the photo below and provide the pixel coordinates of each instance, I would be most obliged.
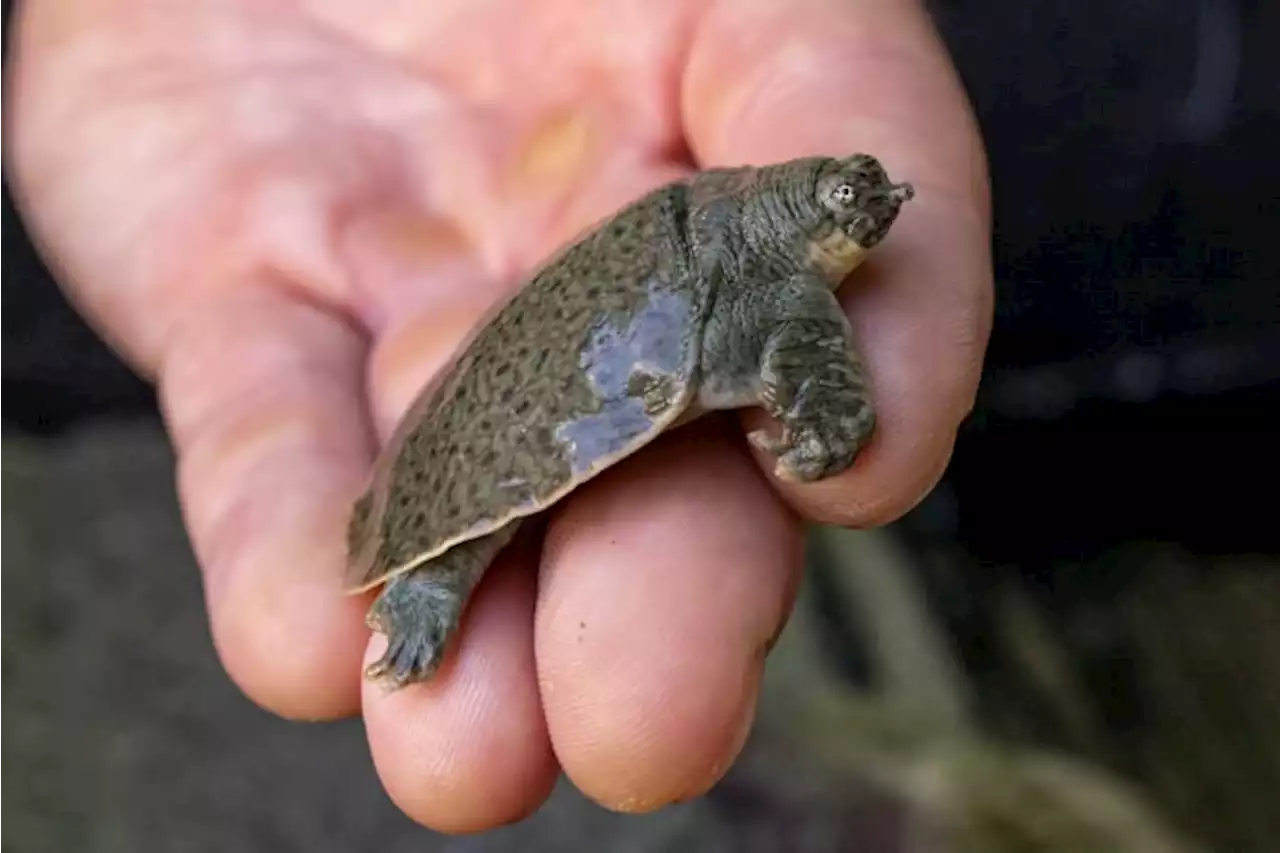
(290, 216)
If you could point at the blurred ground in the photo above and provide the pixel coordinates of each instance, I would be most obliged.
(124, 734)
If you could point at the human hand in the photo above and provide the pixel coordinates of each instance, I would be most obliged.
(287, 215)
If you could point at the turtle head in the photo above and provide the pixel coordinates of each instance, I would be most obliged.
(857, 193)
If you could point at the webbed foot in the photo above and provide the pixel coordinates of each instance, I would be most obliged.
(419, 616)
(812, 381)
(420, 611)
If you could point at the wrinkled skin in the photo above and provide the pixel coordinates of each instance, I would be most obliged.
(288, 215)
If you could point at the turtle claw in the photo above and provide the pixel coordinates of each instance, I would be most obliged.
(407, 660)
(771, 444)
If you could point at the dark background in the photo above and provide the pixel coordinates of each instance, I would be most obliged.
(1132, 372)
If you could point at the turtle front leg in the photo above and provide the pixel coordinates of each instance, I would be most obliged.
(813, 382)
(419, 611)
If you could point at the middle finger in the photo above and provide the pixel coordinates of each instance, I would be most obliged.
(663, 584)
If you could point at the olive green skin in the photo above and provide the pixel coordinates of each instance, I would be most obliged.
(711, 293)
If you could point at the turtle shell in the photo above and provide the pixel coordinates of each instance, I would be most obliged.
(588, 362)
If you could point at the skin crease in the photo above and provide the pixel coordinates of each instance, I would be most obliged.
(289, 214)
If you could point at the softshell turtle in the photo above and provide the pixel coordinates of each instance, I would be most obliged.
(710, 293)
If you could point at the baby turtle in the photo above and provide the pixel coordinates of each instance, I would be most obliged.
(711, 293)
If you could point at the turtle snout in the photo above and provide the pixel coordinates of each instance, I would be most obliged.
(872, 221)
(898, 193)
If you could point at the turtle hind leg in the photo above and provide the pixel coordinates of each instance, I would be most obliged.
(419, 611)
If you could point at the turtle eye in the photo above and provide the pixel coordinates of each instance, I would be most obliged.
(843, 193)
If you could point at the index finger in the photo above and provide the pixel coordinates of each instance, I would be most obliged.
(262, 394)
(769, 82)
